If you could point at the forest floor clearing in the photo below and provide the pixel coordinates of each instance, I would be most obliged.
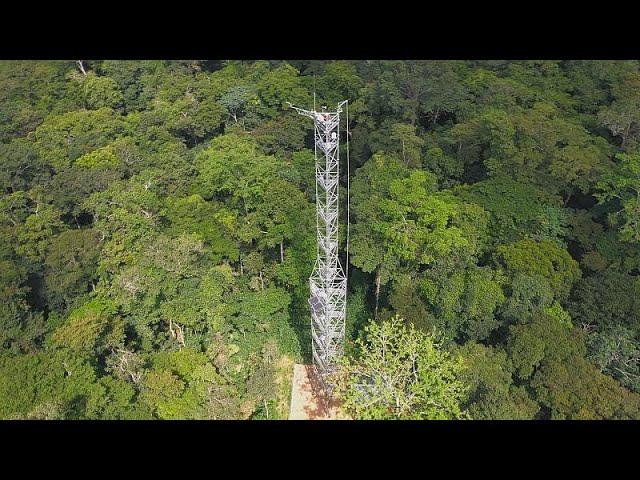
(308, 401)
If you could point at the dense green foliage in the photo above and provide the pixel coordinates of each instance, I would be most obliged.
(400, 373)
(157, 231)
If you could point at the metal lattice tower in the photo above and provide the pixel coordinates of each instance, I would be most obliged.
(328, 283)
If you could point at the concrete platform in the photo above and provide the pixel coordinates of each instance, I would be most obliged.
(308, 401)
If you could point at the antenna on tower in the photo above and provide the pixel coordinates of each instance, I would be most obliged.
(328, 282)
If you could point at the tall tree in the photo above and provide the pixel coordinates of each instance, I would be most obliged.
(401, 373)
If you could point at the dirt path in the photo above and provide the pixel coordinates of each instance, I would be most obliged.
(307, 399)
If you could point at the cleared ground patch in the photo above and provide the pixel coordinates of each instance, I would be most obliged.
(308, 401)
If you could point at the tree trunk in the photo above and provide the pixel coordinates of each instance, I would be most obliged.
(282, 251)
(377, 293)
(566, 201)
(80, 64)
(435, 117)
(403, 155)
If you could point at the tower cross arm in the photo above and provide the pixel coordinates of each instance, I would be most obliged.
(339, 109)
(302, 111)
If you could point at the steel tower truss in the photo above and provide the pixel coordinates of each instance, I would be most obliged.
(328, 283)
